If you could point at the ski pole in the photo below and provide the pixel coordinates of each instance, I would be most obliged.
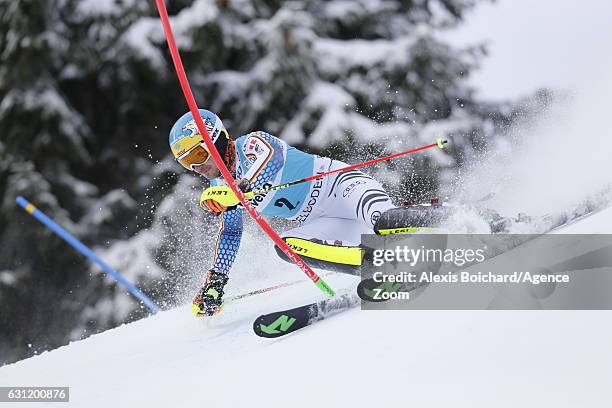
(439, 143)
(271, 288)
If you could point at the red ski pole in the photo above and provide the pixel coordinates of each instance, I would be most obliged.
(439, 143)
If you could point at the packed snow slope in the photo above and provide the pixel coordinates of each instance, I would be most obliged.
(357, 358)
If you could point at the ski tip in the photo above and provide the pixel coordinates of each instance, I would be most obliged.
(257, 324)
(278, 324)
(441, 142)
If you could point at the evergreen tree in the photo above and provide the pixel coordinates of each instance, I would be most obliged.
(319, 73)
(71, 118)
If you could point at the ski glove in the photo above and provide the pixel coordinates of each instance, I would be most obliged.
(213, 206)
(209, 299)
(218, 199)
(244, 186)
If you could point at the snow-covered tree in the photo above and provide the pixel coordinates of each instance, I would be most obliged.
(319, 73)
(65, 112)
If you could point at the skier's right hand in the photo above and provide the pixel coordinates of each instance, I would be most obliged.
(213, 206)
(218, 199)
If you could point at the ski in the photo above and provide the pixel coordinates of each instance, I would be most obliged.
(277, 324)
(370, 291)
(281, 323)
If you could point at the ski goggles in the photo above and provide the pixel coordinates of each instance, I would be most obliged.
(195, 156)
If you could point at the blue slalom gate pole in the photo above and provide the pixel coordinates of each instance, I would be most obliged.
(78, 245)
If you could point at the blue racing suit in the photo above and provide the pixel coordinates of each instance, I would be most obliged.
(338, 208)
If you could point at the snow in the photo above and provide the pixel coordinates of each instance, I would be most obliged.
(145, 34)
(337, 118)
(333, 103)
(342, 9)
(600, 222)
(8, 278)
(133, 257)
(140, 36)
(97, 7)
(560, 158)
(419, 358)
(338, 56)
(357, 358)
(81, 188)
(106, 207)
(47, 99)
(191, 18)
(94, 8)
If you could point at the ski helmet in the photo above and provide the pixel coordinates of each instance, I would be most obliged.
(185, 135)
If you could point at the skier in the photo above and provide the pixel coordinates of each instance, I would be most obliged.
(332, 212)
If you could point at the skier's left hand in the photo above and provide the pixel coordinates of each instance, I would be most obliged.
(244, 185)
(200, 308)
(209, 299)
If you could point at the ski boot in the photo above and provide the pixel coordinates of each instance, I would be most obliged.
(209, 300)
(327, 255)
(412, 218)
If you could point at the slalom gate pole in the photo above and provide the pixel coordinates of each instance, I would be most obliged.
(439, 143)
(79, 246)
(193, 107)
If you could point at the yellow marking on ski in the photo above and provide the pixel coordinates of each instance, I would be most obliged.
(345, 255)
(406, 230)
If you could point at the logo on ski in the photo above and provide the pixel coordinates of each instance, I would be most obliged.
(371, 291)
(290, 320)
(282, 324)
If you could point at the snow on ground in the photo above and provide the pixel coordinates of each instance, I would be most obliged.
(600, 222)
(357, 358)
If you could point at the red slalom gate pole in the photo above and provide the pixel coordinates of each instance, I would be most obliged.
(193, 107)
